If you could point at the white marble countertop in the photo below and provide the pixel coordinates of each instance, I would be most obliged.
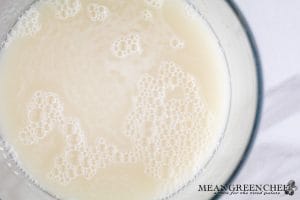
(275, 157)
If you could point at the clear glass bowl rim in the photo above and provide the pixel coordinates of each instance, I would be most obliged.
(260, 92)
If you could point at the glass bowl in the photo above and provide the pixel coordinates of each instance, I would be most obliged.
(238, 46)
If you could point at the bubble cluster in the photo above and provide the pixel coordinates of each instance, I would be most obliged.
(81, 159)
(167, 121)
(28, 24)
(176, 43)
(127, 45)
(147, 15)
(97, 12)
(157, 4)
(166, 126)
(77, 159)
(65, 9)
(44, 112)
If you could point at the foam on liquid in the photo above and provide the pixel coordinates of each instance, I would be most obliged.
(109, 99)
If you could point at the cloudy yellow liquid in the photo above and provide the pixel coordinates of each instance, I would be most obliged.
(112, 99)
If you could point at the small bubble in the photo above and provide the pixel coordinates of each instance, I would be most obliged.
(123, 47)
(65, 9)
(97, 12)
(176, 43)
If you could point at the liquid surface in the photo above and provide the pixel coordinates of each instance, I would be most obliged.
(110, 99)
